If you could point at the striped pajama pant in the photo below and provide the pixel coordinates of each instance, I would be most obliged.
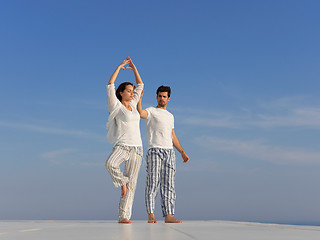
(132, 157)
(161, 171)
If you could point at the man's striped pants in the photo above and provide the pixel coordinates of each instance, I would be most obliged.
(161, 171)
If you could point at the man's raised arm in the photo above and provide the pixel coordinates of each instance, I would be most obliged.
(143, 113)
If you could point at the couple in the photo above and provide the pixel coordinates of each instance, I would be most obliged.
(124, 105)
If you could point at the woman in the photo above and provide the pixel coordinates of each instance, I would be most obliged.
(124, 129)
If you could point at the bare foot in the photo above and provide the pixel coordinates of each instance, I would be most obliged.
(124, 190)
(151, 218)
(171, 219)
(125, 221)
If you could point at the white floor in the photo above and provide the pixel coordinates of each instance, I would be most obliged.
(140, 230)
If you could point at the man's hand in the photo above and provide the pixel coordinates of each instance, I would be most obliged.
(140, 100)
(185, 157)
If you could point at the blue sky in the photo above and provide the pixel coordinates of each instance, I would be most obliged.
(245, 95)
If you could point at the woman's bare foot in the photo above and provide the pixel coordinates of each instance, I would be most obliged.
(125, 221)
(151, 218)
(124, 190)
(171, 219)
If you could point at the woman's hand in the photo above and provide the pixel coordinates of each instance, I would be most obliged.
(125, 62)
(131, 65)
(115, 73)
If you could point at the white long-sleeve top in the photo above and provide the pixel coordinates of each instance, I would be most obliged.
(124, 125)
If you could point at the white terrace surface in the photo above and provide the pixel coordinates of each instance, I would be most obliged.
(140, 230)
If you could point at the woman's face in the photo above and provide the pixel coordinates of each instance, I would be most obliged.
(127, 94)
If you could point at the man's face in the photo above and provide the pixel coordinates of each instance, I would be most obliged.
(163, 99)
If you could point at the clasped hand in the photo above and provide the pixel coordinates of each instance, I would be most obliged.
(127, 61)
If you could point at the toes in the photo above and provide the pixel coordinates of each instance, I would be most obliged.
(152, 221)
(125, 221)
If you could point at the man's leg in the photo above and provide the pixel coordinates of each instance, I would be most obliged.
(131, 170)
(153, 161)
(167, 190)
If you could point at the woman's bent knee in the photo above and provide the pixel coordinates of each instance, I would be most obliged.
(109, 165)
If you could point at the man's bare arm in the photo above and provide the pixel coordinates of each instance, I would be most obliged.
(177, 145)
(143, 113)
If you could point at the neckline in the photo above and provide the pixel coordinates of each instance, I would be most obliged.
(127, 108)
(161, 109)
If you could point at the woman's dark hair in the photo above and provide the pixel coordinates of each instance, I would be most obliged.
(121, 88)
(164, 89)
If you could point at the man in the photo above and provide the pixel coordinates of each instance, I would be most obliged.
(161, 161)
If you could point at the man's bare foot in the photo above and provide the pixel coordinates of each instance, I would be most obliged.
(124, 190)
(151, 218)
(171, 219)
(125, 221)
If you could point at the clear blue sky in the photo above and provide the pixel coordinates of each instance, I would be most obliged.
(245, 95)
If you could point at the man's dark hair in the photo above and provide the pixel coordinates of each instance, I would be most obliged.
(164, 89)
(121, 88)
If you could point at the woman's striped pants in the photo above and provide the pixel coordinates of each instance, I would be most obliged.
(132, 157)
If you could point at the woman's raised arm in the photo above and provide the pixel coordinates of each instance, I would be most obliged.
(112, 98)
(139, 87)
(116, 72)
(135, 71)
